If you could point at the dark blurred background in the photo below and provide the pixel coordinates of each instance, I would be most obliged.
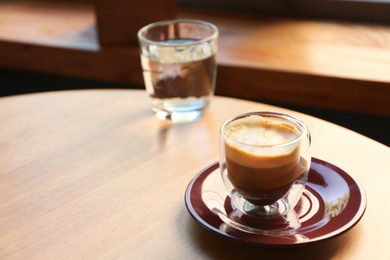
(14, 82)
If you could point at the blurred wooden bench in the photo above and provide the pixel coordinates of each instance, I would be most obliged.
(326, 64)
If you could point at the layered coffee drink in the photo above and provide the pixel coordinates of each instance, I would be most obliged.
(263, 157)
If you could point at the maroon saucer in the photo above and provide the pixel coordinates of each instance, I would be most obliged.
(332, 203)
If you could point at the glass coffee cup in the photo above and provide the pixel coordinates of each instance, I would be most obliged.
(264, 161)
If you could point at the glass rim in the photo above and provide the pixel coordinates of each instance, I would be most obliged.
(303, 126)
(173, 21)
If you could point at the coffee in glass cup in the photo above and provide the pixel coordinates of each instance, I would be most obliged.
(265, 158)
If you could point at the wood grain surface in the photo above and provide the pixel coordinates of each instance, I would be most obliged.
(93, 174)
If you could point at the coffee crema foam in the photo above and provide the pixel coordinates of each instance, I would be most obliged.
(263, 158)
(260, 142)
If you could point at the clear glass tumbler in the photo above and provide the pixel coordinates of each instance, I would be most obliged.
(178, 59)
(264, 161)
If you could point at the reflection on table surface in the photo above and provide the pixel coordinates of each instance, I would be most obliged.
(94, 174)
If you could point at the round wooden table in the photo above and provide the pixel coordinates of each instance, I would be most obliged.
(93, 174)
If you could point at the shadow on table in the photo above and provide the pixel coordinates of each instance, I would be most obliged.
(218, 247)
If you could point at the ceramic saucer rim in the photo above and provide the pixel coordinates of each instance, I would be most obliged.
(331, 234)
